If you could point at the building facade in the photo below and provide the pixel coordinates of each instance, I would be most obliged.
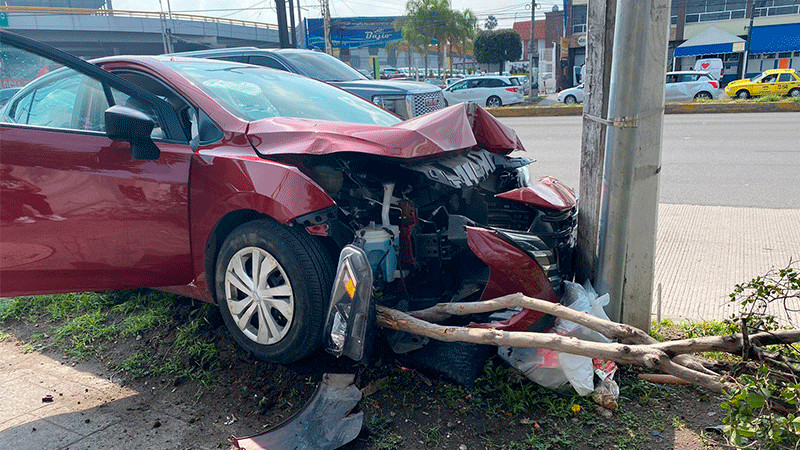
(705, 29)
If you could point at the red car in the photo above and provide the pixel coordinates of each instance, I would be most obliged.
(243, 186)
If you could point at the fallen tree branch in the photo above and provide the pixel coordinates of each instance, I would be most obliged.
(607, 328)
(644, 355)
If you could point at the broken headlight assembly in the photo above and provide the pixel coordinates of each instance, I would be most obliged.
(351, 316)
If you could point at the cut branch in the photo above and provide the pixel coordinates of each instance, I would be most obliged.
(644, 355)
(607, 328)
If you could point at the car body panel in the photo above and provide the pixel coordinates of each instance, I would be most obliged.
(512, 270)
(79, 213)
(547, 193)
(761, 85)
(415, 138)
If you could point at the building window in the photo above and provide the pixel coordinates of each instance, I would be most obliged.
(579, 19)
(776, 8)
(711, 10)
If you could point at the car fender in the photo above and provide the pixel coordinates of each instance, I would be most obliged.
(221, 185)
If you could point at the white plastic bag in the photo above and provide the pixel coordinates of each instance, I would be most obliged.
(553, 369)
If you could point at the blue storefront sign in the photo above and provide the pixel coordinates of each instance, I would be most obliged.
(352, 32)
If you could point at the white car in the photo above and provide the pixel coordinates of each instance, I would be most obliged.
(690, 85)
(572, 95)
(525, 82)
(486, 90)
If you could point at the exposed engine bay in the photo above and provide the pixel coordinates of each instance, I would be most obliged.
(412, 221)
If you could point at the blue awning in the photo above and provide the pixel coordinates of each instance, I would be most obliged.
(711, 41)
(775, 38)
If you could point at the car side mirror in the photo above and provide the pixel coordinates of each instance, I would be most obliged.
(127, 124)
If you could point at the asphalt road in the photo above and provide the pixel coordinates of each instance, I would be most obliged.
(747, 160)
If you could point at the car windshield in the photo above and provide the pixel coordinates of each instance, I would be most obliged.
(322, 66)
(253, 93)
(758, 78)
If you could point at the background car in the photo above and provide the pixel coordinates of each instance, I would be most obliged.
(405, 98)
(491, 91)
(690, 85)
(525, 82)
(436, 82)
(95, 194)
(572, 95)
(771, 82)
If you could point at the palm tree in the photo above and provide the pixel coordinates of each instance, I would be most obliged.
(466, 26)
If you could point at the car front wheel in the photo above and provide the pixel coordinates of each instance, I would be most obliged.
(794, 93)
(272, 285)
(743, 94)
(494, 102)
(570, 100)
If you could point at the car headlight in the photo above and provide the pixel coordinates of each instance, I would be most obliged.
(393, 103)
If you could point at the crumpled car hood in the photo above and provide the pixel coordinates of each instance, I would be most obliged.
(454, 128)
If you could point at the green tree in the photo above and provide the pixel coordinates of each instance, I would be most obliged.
(497, 47)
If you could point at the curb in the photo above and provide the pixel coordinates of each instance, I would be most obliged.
(670, 108)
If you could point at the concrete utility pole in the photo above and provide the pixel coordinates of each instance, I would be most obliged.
(633, 160)
(291, 24)
(283, 27)
(751, 6)
(531, 45)
(599, 45)
(165, 38)
(326, 23)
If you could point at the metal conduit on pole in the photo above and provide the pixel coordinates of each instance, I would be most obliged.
(633, 159)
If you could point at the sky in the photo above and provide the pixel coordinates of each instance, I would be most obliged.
(506, 11)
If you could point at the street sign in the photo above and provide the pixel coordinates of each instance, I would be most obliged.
(3, 19)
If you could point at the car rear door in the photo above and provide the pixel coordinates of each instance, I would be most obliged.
(783, 84)
(78, 212)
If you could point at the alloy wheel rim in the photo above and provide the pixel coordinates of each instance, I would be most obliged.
(259, 295)
(494, 102)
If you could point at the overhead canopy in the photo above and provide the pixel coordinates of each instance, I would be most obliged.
(775, 38)
(711, 41)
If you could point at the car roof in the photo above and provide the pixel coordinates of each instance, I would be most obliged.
(690, 72)
(771, 71)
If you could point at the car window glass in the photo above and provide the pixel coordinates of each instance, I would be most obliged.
(253, 93)
(266, 61)
(786, 77)
(768, 79)
(51, 97)
(672, 79)
(459, 85)
(121, 98)
(322, 66)
(473, 83)
(236, 58)
(515, 81)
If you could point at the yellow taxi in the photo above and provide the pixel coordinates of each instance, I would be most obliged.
(774, 81)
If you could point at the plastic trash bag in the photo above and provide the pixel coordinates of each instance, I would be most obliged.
(553, 369)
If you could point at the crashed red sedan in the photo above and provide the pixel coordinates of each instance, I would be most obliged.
(244, 186)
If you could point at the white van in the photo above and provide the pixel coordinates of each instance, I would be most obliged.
(711, 65)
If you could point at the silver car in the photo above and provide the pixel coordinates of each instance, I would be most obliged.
(572, 95)
(690, 85)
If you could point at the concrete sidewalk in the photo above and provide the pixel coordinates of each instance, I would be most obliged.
(702, 252)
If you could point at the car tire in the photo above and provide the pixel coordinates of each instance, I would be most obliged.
(282, 320)
(494, 102)
(794, 93)
(743, 94)
(570, 100)
(703, 95)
